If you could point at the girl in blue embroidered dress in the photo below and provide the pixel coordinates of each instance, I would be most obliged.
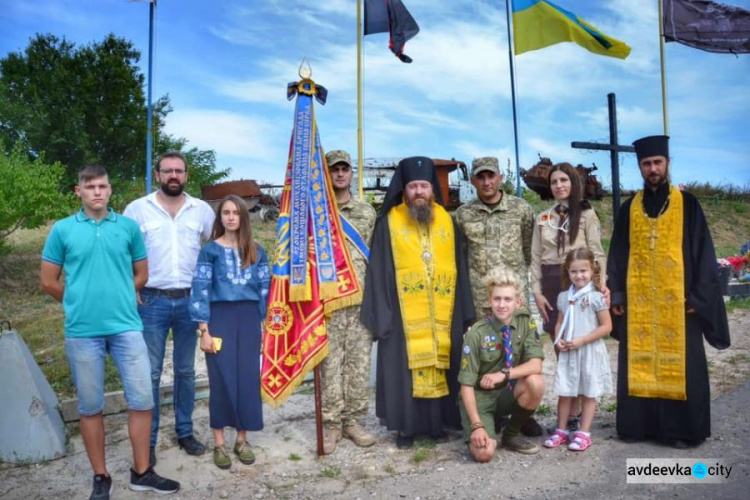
(228, 300)
(583, 365)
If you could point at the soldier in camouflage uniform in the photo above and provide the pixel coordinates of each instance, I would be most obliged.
(346, 370)
(498, 228)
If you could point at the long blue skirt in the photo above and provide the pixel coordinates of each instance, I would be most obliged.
(234, 372)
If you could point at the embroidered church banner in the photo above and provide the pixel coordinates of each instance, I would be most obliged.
(312, 274)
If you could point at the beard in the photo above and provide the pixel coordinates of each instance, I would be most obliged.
(171, 189)
(421, 213)
(654, 181)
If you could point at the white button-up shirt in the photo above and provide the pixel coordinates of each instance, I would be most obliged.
(172, 244)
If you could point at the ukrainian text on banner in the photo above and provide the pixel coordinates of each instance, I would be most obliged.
(709, 26)
(539, 23)
(312, 273)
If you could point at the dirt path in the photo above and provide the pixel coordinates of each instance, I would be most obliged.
(288, 468)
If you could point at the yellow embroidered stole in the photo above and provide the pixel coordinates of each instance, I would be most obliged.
(425, 265)
(656, 302)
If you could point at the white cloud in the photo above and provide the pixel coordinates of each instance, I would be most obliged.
(228, 133)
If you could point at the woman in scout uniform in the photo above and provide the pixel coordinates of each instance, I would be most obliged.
(228, 300)
(570, 223)
(500, 371)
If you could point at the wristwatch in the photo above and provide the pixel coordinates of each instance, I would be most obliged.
(201, 331)
(506, 371)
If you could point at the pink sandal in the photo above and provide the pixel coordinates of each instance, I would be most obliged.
(580, 441)
(556, 439)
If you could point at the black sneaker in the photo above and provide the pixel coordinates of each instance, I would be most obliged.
(191, 445)
(102, 487)
(151, 481)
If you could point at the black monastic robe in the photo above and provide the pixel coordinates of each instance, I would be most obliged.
(381, 314)
(665, 419)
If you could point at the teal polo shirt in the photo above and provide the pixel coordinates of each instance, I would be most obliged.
(97, 258)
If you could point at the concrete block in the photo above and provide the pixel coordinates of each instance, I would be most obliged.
(31, 429)
(114, 402)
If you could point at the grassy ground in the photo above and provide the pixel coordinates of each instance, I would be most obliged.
(39, 319)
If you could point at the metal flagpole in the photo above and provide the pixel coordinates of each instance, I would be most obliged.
(513, 94)
(149, 121)
(360, 174)
(663, 75)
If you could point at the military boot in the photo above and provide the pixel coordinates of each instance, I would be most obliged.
(359, 435)
(332, 435)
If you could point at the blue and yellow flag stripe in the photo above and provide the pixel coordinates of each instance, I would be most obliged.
(539, 23)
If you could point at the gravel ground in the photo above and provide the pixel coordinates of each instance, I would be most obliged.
(287, 466)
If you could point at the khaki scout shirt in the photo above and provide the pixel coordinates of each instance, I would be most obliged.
(499, 236)
(483, 348)
(362, 216)
(544, 244)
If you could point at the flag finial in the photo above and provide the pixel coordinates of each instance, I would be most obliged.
(305, 70)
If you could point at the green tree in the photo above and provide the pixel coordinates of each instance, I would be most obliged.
(77, 105)
(81, 105)
(29, 192)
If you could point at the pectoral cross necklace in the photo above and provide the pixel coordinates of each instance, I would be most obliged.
(652, 236)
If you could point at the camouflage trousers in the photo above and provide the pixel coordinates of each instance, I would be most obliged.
(345, 372)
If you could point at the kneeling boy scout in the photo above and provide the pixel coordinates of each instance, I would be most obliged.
(501, 371)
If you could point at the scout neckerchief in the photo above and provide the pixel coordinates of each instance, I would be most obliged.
(568, 322)
(655, 287)
(507, 349)
(562, 229)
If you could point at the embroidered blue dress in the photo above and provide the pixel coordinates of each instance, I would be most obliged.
(232, 300)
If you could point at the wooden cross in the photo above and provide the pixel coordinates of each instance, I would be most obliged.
(614, 148)
(651, 236)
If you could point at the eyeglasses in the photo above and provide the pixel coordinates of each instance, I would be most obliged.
(170, 171)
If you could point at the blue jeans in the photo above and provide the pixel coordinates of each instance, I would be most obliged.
(86, 360)
(159, 314)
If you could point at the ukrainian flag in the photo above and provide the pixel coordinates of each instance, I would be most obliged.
(539, 23)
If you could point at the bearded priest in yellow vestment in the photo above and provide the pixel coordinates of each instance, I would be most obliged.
(665, 299)
(417, 304)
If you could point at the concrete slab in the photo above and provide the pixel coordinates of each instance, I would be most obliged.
(31, 429)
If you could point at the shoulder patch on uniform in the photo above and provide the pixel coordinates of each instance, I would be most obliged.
(467, 349)
(464, 363)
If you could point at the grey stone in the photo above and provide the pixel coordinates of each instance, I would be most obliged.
(31, 429)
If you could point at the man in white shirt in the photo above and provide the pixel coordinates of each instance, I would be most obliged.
(172, 224)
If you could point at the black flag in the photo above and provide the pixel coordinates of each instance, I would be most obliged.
(706, 25)
(391, 16)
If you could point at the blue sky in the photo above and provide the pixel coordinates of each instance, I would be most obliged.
(225, 65)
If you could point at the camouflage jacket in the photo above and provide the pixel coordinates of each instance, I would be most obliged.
(500, 236)
(362, 216)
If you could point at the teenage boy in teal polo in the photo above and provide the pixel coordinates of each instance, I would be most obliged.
(104, 259)
(501, 371)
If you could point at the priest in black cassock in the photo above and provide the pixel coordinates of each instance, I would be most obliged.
(665, 299)
(417, 304)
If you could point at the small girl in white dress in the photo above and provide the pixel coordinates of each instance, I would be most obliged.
(583, 365)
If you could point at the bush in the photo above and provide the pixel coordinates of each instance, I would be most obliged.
(29, 193)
